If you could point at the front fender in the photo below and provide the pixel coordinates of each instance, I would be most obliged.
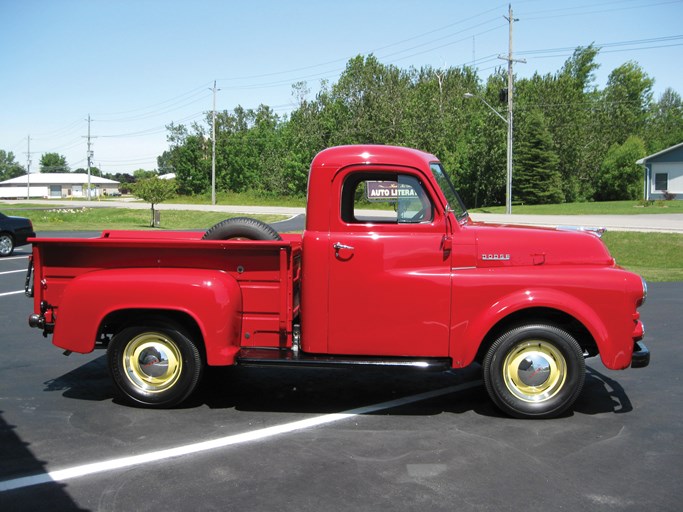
(212, 298)
(469, 334)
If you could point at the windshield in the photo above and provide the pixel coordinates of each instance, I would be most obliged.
(454, 202)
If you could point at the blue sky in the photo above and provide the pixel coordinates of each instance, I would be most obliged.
(137, 65)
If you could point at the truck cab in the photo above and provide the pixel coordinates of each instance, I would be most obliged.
(381, 278)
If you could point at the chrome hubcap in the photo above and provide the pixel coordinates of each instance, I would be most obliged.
(152, 362)
(5, 244)
(534, 371)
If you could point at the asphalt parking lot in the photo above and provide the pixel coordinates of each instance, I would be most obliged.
(299, 440)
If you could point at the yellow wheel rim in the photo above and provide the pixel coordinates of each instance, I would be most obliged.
(152, 362)
(534, 371)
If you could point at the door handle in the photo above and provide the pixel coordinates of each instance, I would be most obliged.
(339, 246)
(447, 243)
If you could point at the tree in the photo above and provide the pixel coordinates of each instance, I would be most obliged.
(571, 122)
(154, 191)
(142, 174)
(189, 158)
(94, 171)
(665, 122)
(627, 99)
(8, 167)
(125, 180)
(620, 177)
(537, 179)
(247, 152)
(482, 176)
(53, 163)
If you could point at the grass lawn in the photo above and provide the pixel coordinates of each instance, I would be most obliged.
(601, 208)
(655, 256)
(96, 219)
(243, 199)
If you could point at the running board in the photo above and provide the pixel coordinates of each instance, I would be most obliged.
(286, 357)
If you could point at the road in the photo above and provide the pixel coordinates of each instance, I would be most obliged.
(662, 223)
(274, 439)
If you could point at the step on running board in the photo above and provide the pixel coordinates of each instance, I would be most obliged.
(285, 357)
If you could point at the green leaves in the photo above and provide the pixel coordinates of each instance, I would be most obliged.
(537, 179)
(620, 177)
(154, 191)
(9, 168)
(53, 162)
(564, 129)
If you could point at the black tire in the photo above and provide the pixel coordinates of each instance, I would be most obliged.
(534, 371)
(156, 366)
(6, 244)
(241, 228)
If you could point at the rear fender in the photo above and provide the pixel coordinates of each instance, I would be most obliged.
(212, 298)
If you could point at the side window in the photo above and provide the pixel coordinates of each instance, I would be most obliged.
(662, 181)
(385, 198)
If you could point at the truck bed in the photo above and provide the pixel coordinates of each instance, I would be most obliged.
(268, 272)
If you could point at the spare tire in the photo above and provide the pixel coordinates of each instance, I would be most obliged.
(241, 228)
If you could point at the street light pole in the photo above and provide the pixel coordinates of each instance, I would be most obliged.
(470, 95)
(508, 121)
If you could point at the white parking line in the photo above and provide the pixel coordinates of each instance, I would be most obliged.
(12, 293)
(14, 258)
(191, 449)
(13, 271)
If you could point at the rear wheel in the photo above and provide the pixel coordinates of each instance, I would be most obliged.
(155, 366)
(241, 228)
(534, 371)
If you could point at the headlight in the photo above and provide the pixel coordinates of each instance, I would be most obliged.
(644, 291)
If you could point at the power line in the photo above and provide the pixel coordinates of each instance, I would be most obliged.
(176, 99)
(575, 10)
(64, 130)
(600, 46)
(157, 113)
(154, 130)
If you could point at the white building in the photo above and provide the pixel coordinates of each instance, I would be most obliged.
(57, 185)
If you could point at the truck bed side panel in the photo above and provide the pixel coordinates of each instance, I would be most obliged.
(237, 292)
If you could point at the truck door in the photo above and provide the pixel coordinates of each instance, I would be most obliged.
(390, 278)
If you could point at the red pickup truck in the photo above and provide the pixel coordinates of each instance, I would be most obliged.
(412, 282)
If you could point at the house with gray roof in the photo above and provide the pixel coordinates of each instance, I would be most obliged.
(664, 173)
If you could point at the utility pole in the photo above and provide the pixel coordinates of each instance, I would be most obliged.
(90, 155)
(28, 169)
(510, 59)
(213, 145)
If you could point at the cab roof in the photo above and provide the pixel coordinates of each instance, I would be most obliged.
(342, 156)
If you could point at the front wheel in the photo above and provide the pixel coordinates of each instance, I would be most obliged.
(534, 371)
(6, 244)
(154, 366)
